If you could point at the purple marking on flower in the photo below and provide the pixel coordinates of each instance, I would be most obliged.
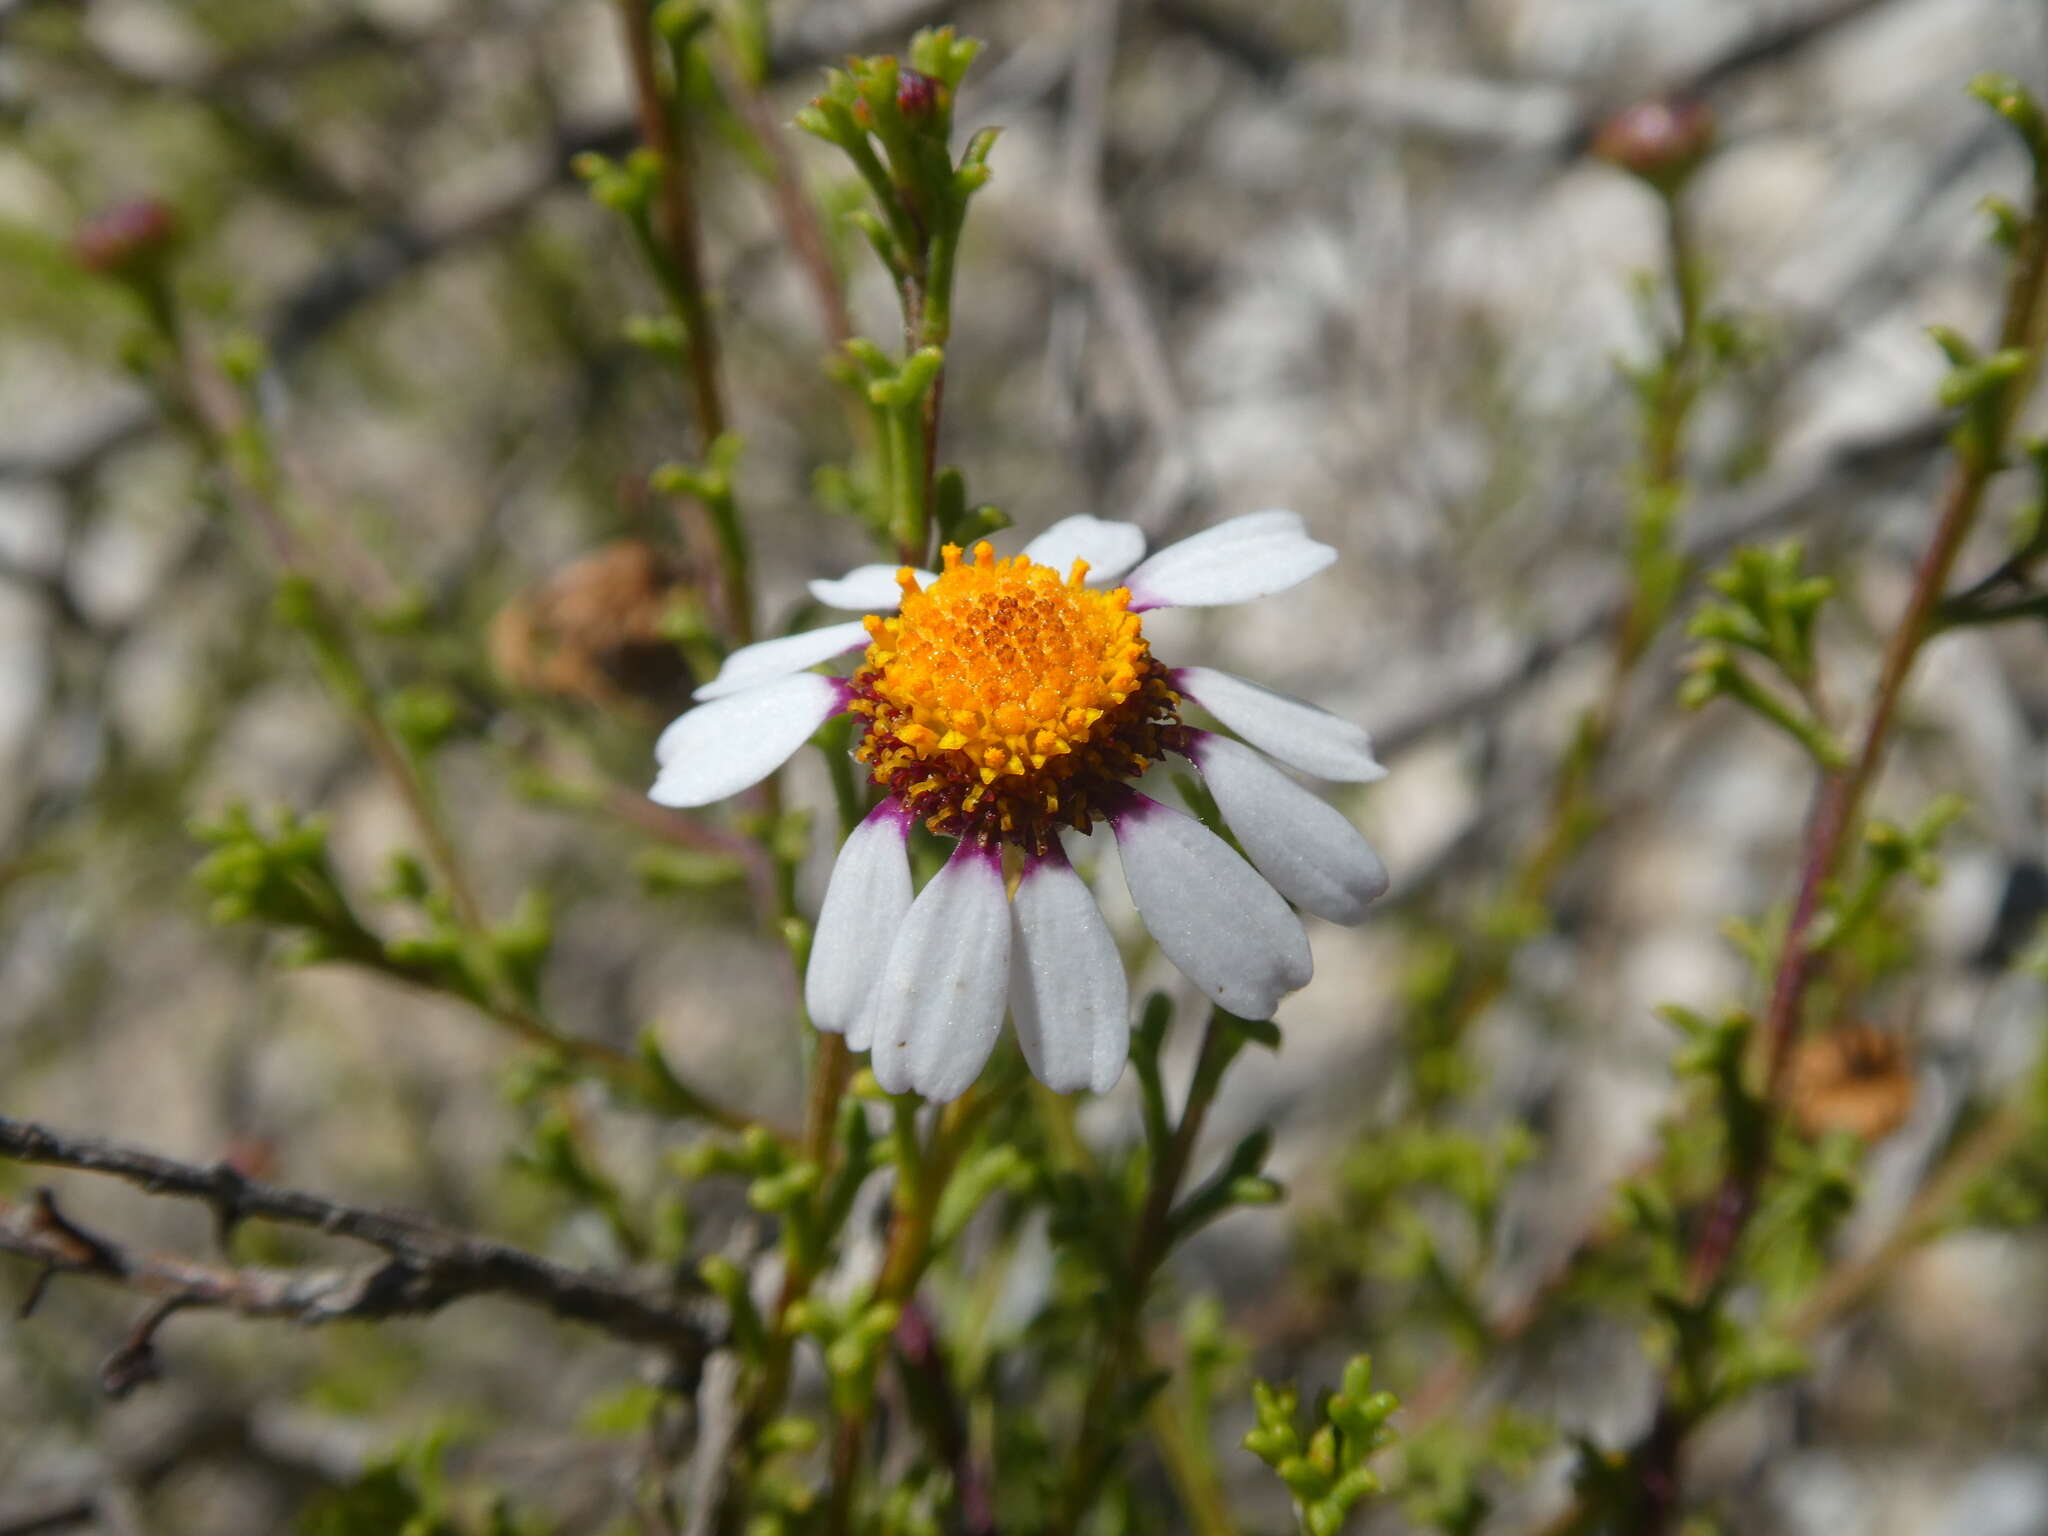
(990, 855)
(889, 808)
(1037, 864)
(1127, 804)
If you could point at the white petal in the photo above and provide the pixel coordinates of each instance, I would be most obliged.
(1251, 556)
(867, 589)
(721, 748)
(1279, 725)
(1227, 930)
(939, 1003)
(752, 665)
(1304, 845)
(865, 902)
(1109, 548)
(1067, 987)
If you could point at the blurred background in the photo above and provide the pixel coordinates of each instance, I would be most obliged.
(1354, 259)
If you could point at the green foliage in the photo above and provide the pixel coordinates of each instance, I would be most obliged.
(281, 876)
(557, 1155)
(2014, 103)
(851, 1339)
(1326, 1473)
(1852, 922)
(1767, 607)
(1449, 1468)
(411, 1494)
(628, 1410)
(894, 125)
(679, 871)
(1420, 1206)
(1030, 1373)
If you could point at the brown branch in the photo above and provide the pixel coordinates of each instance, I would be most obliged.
(425, 1266)
(1836, 811)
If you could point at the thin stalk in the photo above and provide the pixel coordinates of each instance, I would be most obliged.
(903, 1265)
(213, 411)
(1571, 815)
(1123, 1348)
(1837, 804)
(677, 209)
(1189, 1467)
(678, 260)
(1840, 795)
(735, 566)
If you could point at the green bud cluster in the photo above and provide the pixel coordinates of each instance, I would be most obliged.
(1889, 852)
(893, 121)
(853, 1340)
(1327, 1473)
(1765, 607)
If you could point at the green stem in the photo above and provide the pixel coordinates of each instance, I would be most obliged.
(1122, 1354)
(921, 1183)
(909, 522)
(679, 224)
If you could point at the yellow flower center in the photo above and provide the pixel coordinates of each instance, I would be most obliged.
(1005, 700)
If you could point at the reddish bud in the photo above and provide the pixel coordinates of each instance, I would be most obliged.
(917, 95)
(127, 237)
(1661, 140)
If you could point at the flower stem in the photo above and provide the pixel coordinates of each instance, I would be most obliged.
(903, 1265)
(1122, 1353)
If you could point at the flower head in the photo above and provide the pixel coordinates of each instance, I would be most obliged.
(1003, 703)
(1007, 701)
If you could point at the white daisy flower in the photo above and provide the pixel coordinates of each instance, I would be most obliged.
(1001, 702)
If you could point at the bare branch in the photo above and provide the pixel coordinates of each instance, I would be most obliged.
(1524, 114)
(426, 1267)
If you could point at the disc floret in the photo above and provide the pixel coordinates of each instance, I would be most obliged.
(1004, 701)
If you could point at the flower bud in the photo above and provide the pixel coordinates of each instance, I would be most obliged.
(1662, 140)
(126, 238)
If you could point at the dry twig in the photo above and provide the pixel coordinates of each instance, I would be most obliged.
(425, 1267)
